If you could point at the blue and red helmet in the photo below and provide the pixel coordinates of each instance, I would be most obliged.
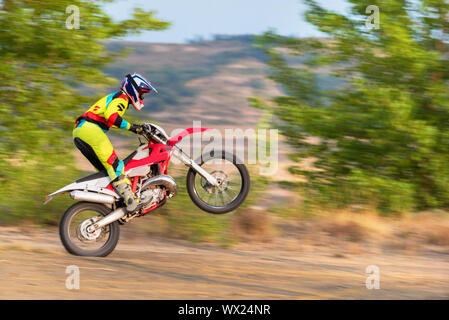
(135, 86)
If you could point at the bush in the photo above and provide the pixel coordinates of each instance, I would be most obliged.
(383, 127)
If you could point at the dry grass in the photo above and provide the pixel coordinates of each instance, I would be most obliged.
(353, 227)
(438, 235)
(253, 225)
(352, 233)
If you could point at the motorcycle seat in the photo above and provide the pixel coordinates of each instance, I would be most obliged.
(103, 173)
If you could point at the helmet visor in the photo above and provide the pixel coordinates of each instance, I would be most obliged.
(152, 88)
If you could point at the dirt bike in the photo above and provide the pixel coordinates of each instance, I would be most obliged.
(217, 182)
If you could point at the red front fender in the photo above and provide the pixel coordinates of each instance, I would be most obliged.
(176, 138)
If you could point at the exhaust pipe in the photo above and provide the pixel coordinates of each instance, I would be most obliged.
(165, 181)
(92, 197)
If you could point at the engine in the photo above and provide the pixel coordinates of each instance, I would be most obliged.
(151, 196)
(152, 190)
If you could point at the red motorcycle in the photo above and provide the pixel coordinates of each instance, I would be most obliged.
(217, 182)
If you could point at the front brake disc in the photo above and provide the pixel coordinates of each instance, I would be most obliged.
(82, 232)
(222, 179)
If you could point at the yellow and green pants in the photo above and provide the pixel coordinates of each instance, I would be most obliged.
(95, 145)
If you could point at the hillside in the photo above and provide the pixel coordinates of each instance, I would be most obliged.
(207, 80)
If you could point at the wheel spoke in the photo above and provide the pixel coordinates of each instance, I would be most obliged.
(216, 198)
(225, 193)
(228, 174)
(222, 198)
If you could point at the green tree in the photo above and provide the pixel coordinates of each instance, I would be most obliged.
(384, 131)
(48, 72)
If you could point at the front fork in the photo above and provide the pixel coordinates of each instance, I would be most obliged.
(192, 164)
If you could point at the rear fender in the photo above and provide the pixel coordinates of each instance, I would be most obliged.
(98, 185)
(176, 138)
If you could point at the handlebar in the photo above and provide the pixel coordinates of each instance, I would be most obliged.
(151, 131)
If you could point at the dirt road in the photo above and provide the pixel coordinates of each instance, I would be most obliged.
(34, 267)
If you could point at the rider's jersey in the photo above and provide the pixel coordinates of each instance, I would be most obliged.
(107, 112)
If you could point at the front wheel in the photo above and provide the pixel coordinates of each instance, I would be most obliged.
(232, 176)
(75, 235)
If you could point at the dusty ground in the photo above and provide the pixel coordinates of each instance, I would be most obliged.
(33, 265)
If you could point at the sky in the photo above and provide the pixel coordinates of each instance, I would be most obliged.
(203, 18)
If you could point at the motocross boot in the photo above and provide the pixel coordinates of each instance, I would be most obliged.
(122, 186)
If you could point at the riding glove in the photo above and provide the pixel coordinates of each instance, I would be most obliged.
(136, 128)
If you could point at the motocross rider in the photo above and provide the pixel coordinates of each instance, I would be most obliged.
(90, 130)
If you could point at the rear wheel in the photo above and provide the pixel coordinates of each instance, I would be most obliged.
(232, 176)
(75, 235)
